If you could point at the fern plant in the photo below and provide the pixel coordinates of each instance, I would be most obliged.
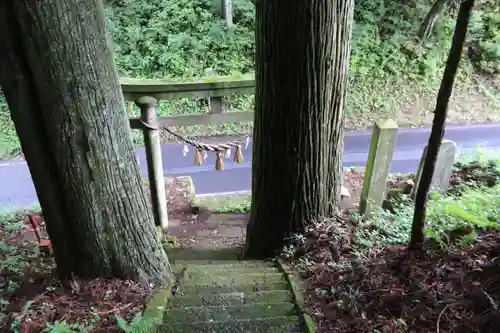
(64, 327)
(139, 324)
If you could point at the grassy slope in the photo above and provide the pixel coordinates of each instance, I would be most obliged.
(186, 38)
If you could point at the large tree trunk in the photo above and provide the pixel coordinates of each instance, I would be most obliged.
(302, 58)
(59, 78)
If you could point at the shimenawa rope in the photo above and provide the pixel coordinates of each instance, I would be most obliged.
(222, 150)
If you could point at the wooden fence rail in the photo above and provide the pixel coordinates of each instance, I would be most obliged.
(212, 88)
(146, 93)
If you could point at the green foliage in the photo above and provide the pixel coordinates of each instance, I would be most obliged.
(484, 32)
(243, 207)
(65, 327)
(9, 143)
(482, 155)
(182, 38)
(389, 67)
(13, 261)
(475, 206)
(139, 324)
(387, 56)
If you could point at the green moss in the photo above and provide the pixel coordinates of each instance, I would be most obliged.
(221, 312)
(176, 254)
(231, 279)
(236, 203)
(295, 284)
(225, 289)
(273, 296)
(275, 325)
(227, 269)
(155, 309)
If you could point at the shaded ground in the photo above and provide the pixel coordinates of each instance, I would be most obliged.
(32, 297)
(380, 289)
(442, 292)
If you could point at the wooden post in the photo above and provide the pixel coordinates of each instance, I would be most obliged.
(378, 166)
(227, 12)
(215, 104)
(152, 146)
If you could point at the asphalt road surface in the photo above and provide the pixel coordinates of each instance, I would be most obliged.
(17, 191)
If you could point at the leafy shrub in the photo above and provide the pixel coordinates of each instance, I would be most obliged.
(9, 143)
(484, 31)
(182, 38)
(476, 206)
(188, 38)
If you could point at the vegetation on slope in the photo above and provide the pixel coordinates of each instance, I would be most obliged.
(392, 73)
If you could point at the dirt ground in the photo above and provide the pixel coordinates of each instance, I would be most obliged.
(40, 298)
(34, 297)
(384, 289)
(392, 292)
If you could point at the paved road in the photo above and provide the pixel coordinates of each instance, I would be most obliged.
(16, 187)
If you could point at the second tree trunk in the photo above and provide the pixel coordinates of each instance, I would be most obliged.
(302, 58)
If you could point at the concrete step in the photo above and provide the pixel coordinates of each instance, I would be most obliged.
(215, 279)
(274, 296)
(262, 325)
(176, 254)
(225, 269)
(206, 289)
(222, 264)
(224, 313)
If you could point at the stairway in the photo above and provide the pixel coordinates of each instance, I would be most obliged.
(219, 294)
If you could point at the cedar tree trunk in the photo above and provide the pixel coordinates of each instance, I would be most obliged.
(59, 79)
(302, 60)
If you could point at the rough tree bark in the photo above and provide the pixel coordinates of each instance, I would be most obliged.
(437, 132)
(430, 19)
(58, 75)
(302, 59)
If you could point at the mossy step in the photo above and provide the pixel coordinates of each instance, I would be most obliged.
(175, 254)
(222, 264)
(231, 279)
(225, 269)
(221, 312)
(206, 289)
(261, 325)
(274, 296)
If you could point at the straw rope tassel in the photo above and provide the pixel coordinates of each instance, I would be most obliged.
(198, 159)
(219, 163)
(238, 155)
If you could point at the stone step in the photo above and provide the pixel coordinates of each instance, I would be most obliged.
(262, 325)
(274, 296)
(198, 290)
(225, 269)
(222, 264)
(215, 279)
(223, 313)
(176, 254)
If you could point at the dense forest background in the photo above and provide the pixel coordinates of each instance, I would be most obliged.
(393, 72)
